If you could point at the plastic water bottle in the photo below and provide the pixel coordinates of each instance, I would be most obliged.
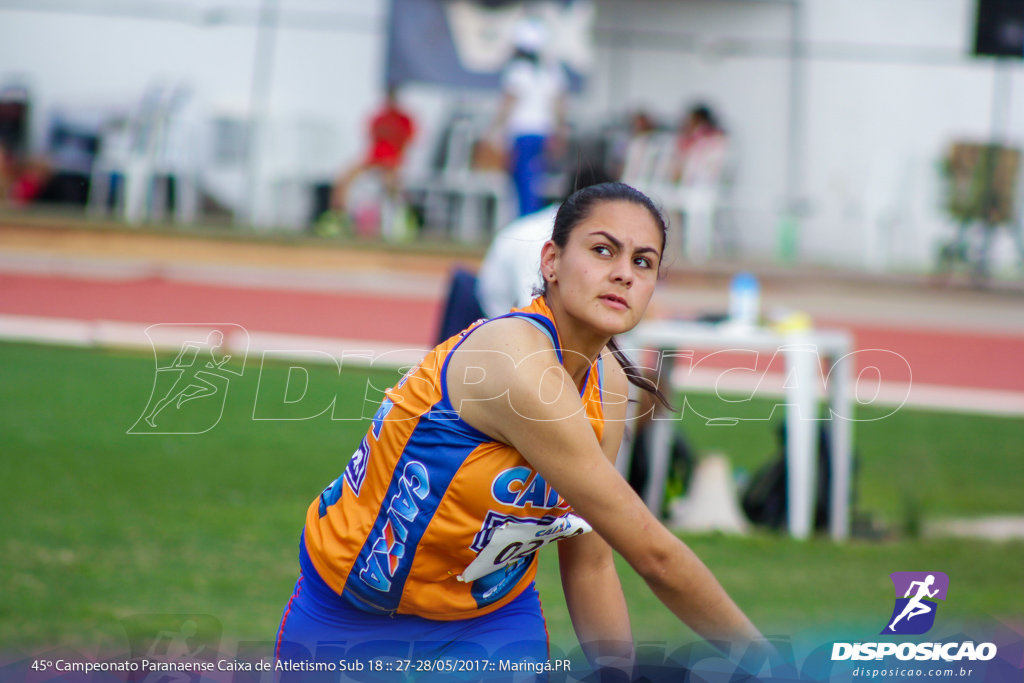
(744, 300)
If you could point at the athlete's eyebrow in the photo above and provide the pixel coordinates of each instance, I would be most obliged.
(618, 245)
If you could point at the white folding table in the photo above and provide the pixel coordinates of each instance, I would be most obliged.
(803, 352)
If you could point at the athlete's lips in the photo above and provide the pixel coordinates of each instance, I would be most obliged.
(615, 299)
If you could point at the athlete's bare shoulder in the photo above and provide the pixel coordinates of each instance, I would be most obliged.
(513, 336)
(496, 373)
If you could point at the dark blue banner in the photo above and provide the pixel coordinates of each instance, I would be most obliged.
(466, 44)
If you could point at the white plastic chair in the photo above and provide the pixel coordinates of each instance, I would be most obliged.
(292, 156)
(469, 187)
(694, 200)
(153, 145)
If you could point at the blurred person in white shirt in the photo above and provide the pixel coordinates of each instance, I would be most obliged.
(511, 269)
(532, 112)
(509, 276)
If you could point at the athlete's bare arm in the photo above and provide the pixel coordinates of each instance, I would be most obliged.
(527, 400)
(593, 592)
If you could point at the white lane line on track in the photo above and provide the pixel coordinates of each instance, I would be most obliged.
(732, 385)
(362, 353)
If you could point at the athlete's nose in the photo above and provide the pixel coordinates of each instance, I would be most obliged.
(622, 270)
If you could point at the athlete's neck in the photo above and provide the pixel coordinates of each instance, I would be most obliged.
(580, 345)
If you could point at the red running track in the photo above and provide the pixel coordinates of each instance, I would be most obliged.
(954, 359)
(155, 300)
(950, 359)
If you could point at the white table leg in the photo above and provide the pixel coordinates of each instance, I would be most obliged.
(625, 457)
(660, 441)
(840, 389)
(802, 373)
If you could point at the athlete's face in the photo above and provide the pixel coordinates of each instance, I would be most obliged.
(606, 273)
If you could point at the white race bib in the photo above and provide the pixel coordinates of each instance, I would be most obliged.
(514, 540)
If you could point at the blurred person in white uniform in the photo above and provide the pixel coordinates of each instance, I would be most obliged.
(509, 276)
(511, 269)
(532, 112)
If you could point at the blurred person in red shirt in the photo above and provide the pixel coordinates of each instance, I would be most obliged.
(21, 180)
(700, 149)
(391, 129)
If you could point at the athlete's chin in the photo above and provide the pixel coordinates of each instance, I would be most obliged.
(611, 323)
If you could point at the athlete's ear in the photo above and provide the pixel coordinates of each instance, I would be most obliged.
(548, 261)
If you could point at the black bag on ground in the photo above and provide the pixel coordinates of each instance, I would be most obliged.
(680, 465)
(765, 500)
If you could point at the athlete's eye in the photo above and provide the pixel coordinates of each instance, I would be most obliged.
(643, 262)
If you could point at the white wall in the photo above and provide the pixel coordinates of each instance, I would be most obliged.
(85, 58)
(887, 84)
(890, 85)
(668, 56)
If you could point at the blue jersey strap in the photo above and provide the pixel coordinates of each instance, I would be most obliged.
(542, 323)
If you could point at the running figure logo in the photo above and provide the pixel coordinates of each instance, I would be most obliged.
(171, 642)
(914, 613)
(200, 370)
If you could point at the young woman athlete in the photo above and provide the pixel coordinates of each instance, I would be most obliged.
(503, 439)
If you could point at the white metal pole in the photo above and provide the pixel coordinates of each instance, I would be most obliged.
(841, 430)
(802, 371)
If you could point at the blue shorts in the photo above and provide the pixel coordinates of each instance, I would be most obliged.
(528, 172)
(318, 628)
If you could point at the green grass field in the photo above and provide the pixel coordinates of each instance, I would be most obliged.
(100, 525)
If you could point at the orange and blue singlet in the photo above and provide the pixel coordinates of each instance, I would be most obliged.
(385, 545)
(423, 494)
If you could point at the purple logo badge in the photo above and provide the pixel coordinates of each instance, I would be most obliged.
(915, 608)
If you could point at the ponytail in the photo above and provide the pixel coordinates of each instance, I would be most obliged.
(636, 378)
